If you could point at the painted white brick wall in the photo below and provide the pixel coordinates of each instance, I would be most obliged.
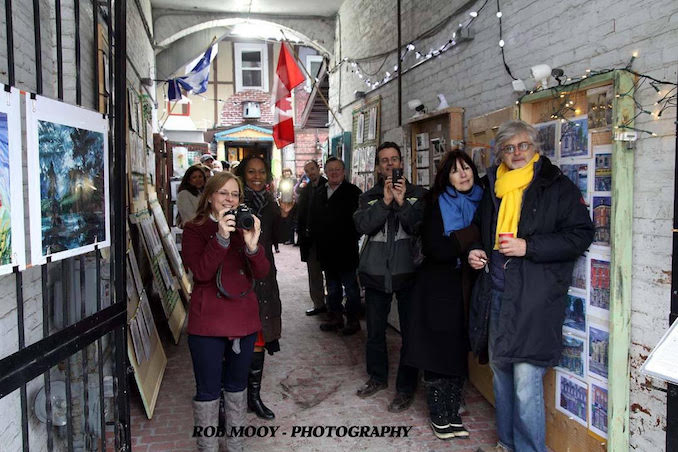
(574, 35)
(140, 52)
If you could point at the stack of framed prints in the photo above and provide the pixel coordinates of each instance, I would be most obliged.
(581, 147)
(67, 160)
(12, 245)
(164, 281)
(144, 349)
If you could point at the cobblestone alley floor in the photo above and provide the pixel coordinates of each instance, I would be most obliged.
(310, 382)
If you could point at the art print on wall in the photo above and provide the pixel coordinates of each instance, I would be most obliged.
(574, 138)
(180, 162)
(68, 183)
(599, 341)
(598, 408)
(602, 211)
(603, 168)
(360, 129)
(599, 295)
(579, 273)
(12, 235)
(422, 159)
(423, 177)
(438, 147)
(575, 311)
(573, 357)
(421, 140)
(579, 174)
(547, 134)
(571, 397)
(372, 124)
(599, 103)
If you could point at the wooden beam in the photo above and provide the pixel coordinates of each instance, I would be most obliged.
(593, 81)
(621, 230)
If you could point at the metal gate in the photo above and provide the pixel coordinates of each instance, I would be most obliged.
(71, 380)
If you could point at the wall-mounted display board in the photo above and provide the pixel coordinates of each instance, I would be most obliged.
(366, 135)
(12, 245)
(144, 348)
(68, 186)
(433, 134)
(587, 395)
(164, 281)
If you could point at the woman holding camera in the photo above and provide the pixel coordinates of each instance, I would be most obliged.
(256, 175)
(223, 320)
(438, 339)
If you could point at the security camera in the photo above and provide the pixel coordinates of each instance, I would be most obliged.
(557, 74)
(417, 106)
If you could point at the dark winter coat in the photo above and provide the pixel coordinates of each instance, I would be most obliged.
(555, 223)
(272, 231)
(437, 334)
(211, 314)
(387, 258)
(334, 233)
(304, 205)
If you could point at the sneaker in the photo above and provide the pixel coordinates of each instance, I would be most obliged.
(401, 402)
(370, 388)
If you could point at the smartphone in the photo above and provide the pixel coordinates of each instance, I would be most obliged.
(396, 174)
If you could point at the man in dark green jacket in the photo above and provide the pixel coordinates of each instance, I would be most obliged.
(387, 216)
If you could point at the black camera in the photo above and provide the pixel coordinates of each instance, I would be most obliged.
(396, 174)
(243, 217)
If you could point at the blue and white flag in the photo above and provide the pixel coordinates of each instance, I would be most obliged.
(195, 81)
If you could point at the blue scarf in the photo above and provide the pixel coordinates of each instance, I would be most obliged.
(457, 208)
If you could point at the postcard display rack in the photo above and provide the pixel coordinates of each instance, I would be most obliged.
(596, 327)
(433, 134)
(366, 136)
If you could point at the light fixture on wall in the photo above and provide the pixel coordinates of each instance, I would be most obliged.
(58, 401)
(540, 74)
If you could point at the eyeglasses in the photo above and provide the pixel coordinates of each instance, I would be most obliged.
(522, 147)
(234, 194)
(385, 160)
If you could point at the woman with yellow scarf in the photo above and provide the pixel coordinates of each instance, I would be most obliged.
(534, 224)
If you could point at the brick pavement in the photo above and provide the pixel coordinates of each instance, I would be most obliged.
(310, 382)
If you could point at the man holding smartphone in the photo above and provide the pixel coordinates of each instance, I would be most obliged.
(387, 216)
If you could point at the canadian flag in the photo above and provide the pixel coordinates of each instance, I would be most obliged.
(287, 76)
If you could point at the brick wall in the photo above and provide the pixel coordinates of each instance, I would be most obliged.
(305, 147)
(574, 36)
(231, 112)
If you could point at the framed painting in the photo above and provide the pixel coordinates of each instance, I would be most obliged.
(68, 186)
(12, 235)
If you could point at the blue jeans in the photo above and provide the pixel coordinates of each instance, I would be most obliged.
(519, 397)
(378, 305)
(207, 353)
(335, 280)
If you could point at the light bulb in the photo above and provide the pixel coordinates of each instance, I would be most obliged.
(499, 14)
(410, 47)
(473, 14)
(388, 74)
(501, 43)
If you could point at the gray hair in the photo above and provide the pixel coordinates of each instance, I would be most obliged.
(509, 129)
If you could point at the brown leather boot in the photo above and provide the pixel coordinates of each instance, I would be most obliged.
(335, 322)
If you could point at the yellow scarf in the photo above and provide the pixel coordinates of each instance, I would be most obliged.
(509, 187)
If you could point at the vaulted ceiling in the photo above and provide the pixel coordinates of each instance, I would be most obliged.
(273, 7)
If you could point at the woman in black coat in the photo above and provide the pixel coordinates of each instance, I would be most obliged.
(438, 341)
(256, 176)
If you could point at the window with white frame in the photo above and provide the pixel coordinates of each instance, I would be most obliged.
(251, 66)
(313, 63)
